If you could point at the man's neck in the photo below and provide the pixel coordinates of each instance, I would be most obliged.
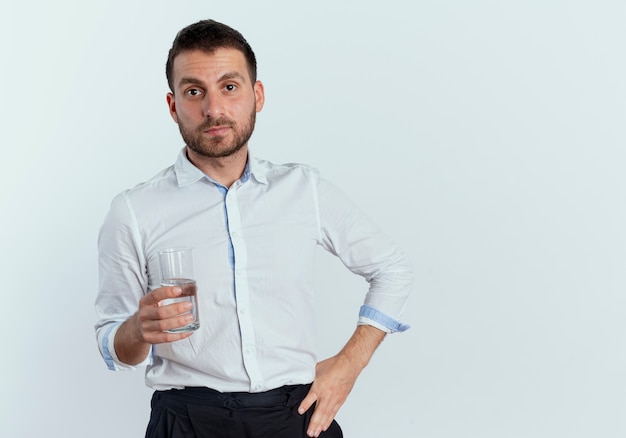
(224, 170)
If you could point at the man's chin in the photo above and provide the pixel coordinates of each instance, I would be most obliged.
(214, 152)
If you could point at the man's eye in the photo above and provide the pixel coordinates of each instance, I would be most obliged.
(230, 87)
(193, 92)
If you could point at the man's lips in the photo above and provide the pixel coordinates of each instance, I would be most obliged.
(217, 130)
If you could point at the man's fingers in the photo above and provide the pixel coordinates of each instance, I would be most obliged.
(168, 321)
(160, 312)
(156, 331)
(162, 337)
(157, 305)
(157, 295)
(307, 402)
(323, 416)
(169, 310)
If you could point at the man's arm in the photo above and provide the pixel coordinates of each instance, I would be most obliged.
(347, 233)
(335, 377)
(136, 335)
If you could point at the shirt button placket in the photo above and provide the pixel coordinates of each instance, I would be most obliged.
(242, 293)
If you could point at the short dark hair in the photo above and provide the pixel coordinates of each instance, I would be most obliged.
(208, 36)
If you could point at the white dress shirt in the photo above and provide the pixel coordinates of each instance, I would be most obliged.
(254, 247)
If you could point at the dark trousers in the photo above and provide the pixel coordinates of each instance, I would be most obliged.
(205, 413)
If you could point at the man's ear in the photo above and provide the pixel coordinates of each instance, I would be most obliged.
(171, 103)
(259, 93)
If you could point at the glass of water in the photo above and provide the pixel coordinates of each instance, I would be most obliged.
(177, 270)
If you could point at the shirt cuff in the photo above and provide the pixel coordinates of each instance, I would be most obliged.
(371, 316)
(108, 352)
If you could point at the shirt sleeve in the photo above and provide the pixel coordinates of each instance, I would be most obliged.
(122, 277)
(366, 251)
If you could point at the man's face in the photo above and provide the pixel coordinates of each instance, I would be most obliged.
(214, 101)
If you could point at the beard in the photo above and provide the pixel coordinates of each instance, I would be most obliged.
(216, 147)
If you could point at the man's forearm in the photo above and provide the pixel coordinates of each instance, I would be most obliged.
(128, 346)
(361, 346)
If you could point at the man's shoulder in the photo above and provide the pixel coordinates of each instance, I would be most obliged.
(152, 185)
(272, 170)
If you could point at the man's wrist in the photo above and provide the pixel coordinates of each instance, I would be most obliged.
(361, 346)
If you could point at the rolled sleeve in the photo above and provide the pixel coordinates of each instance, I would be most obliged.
(366, 251)
(106, 343)
(368, 315)
(122, 278)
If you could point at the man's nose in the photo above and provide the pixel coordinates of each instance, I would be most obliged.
(213, 105)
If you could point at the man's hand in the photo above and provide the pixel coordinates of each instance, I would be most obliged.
(154, 318)
(146, 327)
(335, 378)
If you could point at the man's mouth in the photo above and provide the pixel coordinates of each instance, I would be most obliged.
(216, 130)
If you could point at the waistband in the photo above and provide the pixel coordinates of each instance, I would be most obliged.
(285, 395)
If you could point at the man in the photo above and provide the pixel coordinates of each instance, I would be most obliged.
(250, 369)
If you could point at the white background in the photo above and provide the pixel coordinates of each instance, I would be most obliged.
(487, 137)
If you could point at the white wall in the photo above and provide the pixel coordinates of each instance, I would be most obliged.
(486, 137)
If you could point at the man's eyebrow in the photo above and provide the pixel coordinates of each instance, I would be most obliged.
(232, 75)
(187, 80)
(190, 80)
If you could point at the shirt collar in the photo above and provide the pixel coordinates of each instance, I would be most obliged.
(257, 169)
(187, 173)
